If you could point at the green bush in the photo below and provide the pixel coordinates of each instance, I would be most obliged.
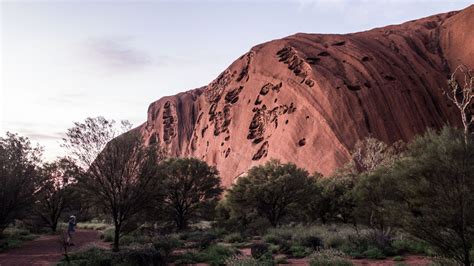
(311, 241)
(366, 244)
(138, 255)
(274, 248)
(14, 236)
(406, 245)
(272, 239)
(108, 235)
(91, 257)
(281, 260)
(242, 245)
(127, 240)
(300, 251)
(374, 254)
(201, 239)
(329, 257)
(166, 245)
(307, 236)
(213, 255)
(218, 254)
(234, 238)
(9, 243)
(334, 241)
(93, 225)
(259, 249)
(246, 261)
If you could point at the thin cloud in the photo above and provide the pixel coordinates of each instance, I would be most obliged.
(73, 97)
(117, 54)
(42, 136)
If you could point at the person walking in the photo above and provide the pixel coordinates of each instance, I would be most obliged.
(71, 229)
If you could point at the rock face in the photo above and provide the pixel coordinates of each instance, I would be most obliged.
(308, 98)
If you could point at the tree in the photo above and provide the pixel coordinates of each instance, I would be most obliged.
(191, 187)
(356, 190)
(375, 193)
(436, 179)
(331, 199)
(462, 97)
(86, 140)
(318, 207)
(337, 193)
(272, 190)
(370, 153)
(18, 177)
(54, 195)
(123, 180)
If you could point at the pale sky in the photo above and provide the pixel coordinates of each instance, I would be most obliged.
(62, 61)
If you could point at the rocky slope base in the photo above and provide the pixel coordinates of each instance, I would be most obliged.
(308, 98)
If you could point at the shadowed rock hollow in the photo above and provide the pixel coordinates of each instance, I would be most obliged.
(308, 98)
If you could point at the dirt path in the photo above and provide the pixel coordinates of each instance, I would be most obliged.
(46, 250)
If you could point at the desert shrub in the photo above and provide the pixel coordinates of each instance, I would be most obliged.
(93, 257)
(246, 261)
(259, 249)
(272, 239)
(217, 254)
(242, 245)
(108, 235)
(300, 251)
(201, 239)
(166, 245)
(311, 241)
(9, 243)
(127, 240)
(281, 260)
(93, 225)
(288, 236)
(234, 238)
(213, 255)
(374, 253)
(329, 257)
(255, 226)
(406, 245)
(274, 248)
(219, 232)
(14, 236)
(368, 244)
(137, 255)
(334, 241)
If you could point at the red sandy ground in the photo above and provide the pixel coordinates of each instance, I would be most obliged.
(46, 250)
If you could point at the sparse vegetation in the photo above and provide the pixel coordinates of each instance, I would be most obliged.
(390, 201)
(14, 236)
(329, 257)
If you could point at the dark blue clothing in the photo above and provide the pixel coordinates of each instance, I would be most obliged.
(71, 226)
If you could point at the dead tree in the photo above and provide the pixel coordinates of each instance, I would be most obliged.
(462, 96)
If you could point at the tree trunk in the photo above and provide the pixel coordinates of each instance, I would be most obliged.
(180, 222)
(467, 259)
(116, 238)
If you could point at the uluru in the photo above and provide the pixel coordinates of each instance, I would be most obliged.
(308, 98)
